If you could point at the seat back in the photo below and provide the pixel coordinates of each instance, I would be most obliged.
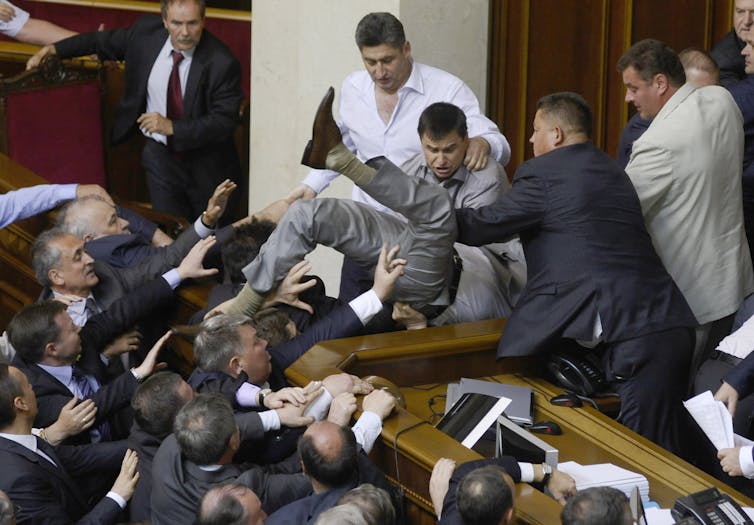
(51, 122)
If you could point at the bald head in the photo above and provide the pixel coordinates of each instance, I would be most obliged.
(485, 495)
(231, 504)
(329, 454)
(90, 218)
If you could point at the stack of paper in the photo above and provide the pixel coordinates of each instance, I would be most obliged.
(715, 420)
(606, 475)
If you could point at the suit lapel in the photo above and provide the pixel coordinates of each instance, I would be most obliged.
(196, 73)
(57, 471)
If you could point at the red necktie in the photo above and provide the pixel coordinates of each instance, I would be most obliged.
(175, 97)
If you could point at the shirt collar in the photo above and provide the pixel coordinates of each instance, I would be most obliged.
(414, 82)
(62, 373)
(459, 177)
(28, 441)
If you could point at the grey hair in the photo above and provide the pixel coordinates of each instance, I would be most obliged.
(346, 514)
(45, 255)
(218, 341)
(71, 220)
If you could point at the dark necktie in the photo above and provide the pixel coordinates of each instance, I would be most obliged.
(175, 97)
(87, 388)
(91, 308)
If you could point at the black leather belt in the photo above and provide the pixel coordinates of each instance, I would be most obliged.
(725, 357)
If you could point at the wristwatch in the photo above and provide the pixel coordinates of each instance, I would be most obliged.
(262, 393)
(547, 471)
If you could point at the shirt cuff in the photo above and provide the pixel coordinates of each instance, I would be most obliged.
(201, 230)
(270, 420)
(246, 395)
(367, 429)
(117, 498)
(318, 180)
(746, 461)
(527, 472)
(320, 407)
(67, 192)
(173, 278)
(366, 306)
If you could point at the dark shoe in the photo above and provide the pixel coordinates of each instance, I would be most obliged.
(325, 134)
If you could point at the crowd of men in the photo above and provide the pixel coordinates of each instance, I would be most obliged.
(643, 262)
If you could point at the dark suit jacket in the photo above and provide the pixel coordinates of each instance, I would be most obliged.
(146, 446)
(450, 515)
(114, 394)
(49, 495)
(308, 509)
(727, 54)
(130, 249)
(587, 251)
(179, 484)
(211, 100)
(341, 322)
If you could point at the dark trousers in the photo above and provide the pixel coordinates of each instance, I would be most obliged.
(181, 184)
(650, 373)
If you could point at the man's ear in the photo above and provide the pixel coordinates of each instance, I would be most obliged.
(50, 350)
(54, 276)
(234, 365)
(20, 404)
(407, 49)
(303, 467)
(661, 81)
(558, 137)
(508, 518)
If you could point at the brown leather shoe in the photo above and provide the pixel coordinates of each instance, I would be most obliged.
(325, 134)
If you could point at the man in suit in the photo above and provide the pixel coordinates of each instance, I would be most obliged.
(332, 458)
(65, 270)
(155, 403)
(182, 91)
(49, 346)
(477, 492)
(39, 479)
(686, 169)
(199, 455)
(727, 52)
(593, 274)
(108, 236)
(480, 491)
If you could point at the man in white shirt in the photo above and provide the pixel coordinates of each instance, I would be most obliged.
(379, 111)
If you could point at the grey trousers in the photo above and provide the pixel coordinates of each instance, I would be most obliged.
(358, 231)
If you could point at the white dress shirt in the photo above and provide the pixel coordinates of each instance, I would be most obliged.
(368, 136)
(157, 86)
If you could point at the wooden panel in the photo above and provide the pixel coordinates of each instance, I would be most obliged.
(469, 349)
(541, 46)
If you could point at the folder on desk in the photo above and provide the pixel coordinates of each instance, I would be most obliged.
(519, 409)
(470, 417)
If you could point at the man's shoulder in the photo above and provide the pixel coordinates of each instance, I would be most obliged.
(727, 49)
(219, 50)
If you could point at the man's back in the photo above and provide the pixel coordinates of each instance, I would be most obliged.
(586, 249)
(687, 172)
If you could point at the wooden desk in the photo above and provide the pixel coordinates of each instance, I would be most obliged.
(434, 356)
